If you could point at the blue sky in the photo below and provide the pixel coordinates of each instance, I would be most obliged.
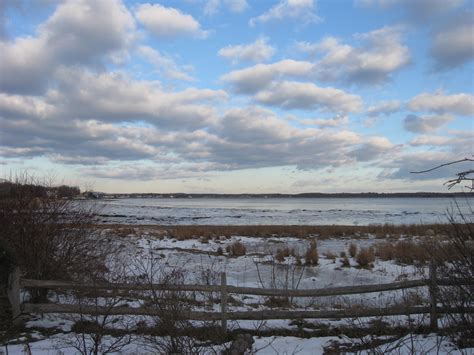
(236, 95)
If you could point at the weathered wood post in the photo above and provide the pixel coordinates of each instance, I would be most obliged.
(224, 303)
(433, 288)
(13, 291)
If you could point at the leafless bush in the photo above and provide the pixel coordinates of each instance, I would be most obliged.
(170, 307)
(50, 237)
(455, 258)
(100, 331)
(283, 277)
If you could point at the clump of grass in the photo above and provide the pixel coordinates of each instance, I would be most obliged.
(345, 261)
(352, 250)
(283, 253)
(236, 249)
(405, 252)
(311, 255)
(365, 257)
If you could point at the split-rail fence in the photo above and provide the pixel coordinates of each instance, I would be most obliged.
(19, 309)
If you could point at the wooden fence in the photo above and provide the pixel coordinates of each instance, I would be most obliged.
(19, 309)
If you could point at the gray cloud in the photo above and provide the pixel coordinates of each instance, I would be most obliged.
(78, 32)
(296, 95)
(453, 43)
(403, 166)
(425, 124)
(252, 79)
(438, 102)
(372, 148)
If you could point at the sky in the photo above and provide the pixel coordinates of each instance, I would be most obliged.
(237, 96)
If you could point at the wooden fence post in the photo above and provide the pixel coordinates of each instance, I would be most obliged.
(13, 291)
(224, 303)
(433, 288)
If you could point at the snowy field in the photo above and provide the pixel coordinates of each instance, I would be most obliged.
(200, 262)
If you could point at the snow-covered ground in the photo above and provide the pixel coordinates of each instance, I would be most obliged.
(200, 263)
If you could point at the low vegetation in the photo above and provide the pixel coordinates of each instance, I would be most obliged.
(311, 256)
(365, 257)
(236, 249)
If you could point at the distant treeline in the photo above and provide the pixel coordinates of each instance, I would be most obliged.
(301, 195)
(10, 189)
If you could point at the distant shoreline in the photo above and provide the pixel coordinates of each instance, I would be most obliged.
(289, 196)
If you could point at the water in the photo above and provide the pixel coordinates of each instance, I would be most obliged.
(280, 211)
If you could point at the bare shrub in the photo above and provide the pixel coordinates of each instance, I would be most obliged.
(311, 255)
(50, 237)
(455, 259)
(170, 307)
(352, 250)
(285, 277)
(365, 257)
(96, 329)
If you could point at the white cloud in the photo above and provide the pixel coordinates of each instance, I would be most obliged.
(253, 79)
(338, 121)
(212, 7)
(380, 55)
(164, 64)
(168, 22)
(438, 102)
(79, 32)
(296, 95)
(258, 51)
(425, 124)
(303, 10)
(384, 108)
(430, 140)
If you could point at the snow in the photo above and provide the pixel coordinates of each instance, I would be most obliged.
(249, 270)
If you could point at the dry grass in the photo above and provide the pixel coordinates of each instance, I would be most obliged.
(321, 232)
(415, 252)
(345, 261)
(352, 250)
(365, 257)
(236, 249)
(283, 253)
(311, 256)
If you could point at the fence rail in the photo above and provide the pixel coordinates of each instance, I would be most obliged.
(16, 284)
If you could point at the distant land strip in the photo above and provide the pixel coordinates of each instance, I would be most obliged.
(301, 195)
